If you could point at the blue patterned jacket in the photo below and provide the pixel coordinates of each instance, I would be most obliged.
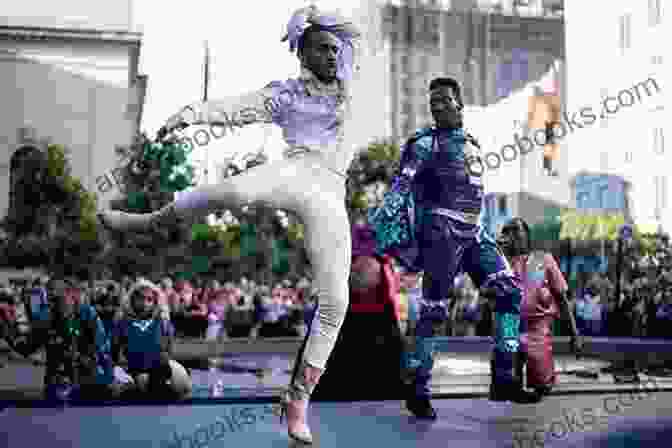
(398, 221)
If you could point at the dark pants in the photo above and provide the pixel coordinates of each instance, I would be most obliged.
(279, 329)
(190, 326)
(364, 364)
(450, 248)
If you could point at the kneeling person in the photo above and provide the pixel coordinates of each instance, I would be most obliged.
(147, 341)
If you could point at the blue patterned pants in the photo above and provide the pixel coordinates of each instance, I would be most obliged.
(450, 248)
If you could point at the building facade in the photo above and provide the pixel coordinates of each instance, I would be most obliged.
(603, 193)
(625, 90)
(72, 81)
(509, 58)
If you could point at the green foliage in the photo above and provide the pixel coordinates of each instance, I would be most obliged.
(57, 161)
(71, 209)
(377, 163)
(171, 161)
(154, 169)
(295, 232)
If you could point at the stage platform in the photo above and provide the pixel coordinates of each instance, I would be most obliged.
(252, 373)
(466, 423)
(262, 368)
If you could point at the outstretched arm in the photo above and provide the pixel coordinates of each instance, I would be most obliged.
(228, 113)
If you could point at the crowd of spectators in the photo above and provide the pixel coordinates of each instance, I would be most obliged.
(211, 311)
(199, 309)
(214, 311)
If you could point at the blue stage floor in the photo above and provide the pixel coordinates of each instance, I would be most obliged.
(245, 417)
(462, 423)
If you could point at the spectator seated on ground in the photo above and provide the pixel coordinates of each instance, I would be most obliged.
(196, 316)
(75, 357)
(37, 297)
(295, 320)
(366, 361)
(588, 309)
(8, 314)
(7, 311)
(662, 327)
(147, 341)
(274, 316)
(240, 314)
(184, 293)
(217, 311)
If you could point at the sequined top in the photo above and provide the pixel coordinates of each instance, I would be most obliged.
(446, 182)
(311, 114)
(433, 177)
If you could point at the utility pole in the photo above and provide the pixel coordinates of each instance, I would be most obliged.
(206, 72)
(206, 86)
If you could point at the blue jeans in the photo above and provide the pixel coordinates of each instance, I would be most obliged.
(449, 248)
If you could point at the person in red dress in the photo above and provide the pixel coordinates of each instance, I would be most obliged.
(371, 338)
(544, 298)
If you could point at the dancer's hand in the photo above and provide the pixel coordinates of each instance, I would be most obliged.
(185, 117)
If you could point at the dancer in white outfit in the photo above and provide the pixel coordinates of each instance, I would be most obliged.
(309, 180)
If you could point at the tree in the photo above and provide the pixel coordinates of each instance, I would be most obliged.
(63, 235)
(369, 176)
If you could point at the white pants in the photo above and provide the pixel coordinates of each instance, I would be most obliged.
(303, 185)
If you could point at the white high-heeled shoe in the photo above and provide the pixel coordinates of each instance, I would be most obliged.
(295, 411)
(294, 403)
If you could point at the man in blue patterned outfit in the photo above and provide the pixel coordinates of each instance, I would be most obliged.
(438, 177)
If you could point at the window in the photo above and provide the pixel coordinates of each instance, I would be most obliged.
(628, 157)
(660, 183)
(658, 141)
(655, 12)
(625, 31)
(604, 161)
(502, 206)
(657, 60)
(664, 190)
(604, 196)
(582, 200)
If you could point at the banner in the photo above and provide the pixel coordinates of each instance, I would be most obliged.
(577, 225)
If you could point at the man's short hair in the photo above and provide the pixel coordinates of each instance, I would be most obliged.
(448, 82)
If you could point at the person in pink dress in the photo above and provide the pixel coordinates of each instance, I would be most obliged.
(544, 298)
(217, 308)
